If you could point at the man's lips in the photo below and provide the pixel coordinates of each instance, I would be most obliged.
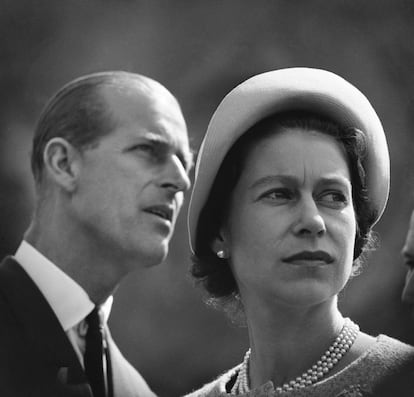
(163, 211)
(310, 256)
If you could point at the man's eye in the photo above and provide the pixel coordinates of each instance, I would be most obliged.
(409, 262)
(149, 151)
(144, 148)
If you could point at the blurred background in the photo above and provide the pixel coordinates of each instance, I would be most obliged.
(200, 50)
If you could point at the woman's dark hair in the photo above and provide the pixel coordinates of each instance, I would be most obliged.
(215, 274)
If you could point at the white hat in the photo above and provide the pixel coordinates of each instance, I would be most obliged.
(315, 90)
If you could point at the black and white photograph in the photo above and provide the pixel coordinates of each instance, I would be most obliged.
(206, 198)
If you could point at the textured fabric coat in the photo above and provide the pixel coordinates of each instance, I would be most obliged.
(385, 370)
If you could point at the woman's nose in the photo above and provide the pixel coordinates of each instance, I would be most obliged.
(310, 221)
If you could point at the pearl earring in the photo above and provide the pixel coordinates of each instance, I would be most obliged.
(221, 254)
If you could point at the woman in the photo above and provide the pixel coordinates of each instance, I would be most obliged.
(291, 176)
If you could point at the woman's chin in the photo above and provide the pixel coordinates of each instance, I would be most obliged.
(306, 294)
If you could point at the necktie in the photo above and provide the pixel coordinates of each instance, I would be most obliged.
(94, 353)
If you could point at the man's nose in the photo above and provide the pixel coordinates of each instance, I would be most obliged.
(310, 221)
(175, 176)
(407, 295)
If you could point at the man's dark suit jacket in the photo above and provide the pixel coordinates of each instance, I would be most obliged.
(36, 357)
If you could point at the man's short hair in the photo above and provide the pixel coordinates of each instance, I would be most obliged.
(79, 114)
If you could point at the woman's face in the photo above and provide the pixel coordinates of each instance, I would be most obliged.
(291, 225)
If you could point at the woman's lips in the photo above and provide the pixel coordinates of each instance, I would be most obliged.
(309, 256)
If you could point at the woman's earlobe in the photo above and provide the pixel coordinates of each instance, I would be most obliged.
(219, 247)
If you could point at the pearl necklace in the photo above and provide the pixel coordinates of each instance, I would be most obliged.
(328, 360)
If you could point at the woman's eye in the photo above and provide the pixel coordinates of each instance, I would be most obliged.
(336, 196)
(337, 199)
(277, 195)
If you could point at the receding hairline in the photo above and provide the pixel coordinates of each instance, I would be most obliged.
(121, 79)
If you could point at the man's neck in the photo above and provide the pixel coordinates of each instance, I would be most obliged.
(94, 272)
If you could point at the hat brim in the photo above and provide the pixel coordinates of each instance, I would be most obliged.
(315, 90)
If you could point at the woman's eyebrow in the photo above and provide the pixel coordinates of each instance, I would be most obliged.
(268, 179)
(289, 179)
(335, 179)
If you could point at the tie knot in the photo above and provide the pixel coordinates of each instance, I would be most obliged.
(95, 318)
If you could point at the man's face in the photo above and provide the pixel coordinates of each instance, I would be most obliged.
(131, 185)
(408, 254)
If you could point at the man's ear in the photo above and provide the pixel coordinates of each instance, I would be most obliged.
(62, 163)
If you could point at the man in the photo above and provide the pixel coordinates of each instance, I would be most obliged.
(408, 255)
(401, 383)
(110, 160)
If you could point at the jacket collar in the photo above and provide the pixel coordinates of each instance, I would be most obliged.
(41, 325)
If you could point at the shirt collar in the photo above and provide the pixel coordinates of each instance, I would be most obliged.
(67, 298)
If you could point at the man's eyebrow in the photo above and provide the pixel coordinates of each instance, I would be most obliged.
(163, 143)
(156, 139)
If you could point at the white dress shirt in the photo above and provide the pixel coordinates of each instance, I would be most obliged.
(68, 299)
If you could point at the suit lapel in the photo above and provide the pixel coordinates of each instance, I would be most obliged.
(42, 327)
(126, 381)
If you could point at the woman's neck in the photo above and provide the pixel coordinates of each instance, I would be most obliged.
(288, 341)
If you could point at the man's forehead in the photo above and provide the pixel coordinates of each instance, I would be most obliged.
(157, 112)
(126, 95)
